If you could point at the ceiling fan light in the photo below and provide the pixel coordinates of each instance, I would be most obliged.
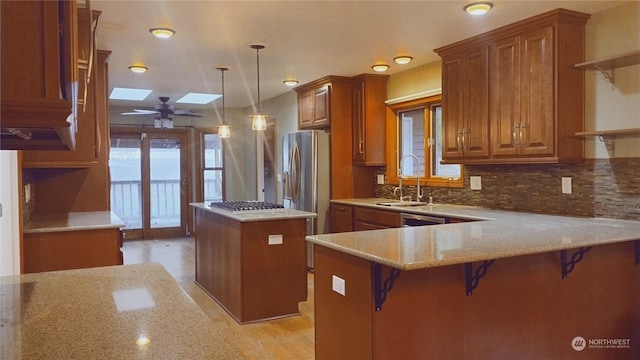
(162, 33)
(479, 8)
(380, 67)
(259, 122)
(224, 132)
(402, 60)
(138, 69)
(291, 82)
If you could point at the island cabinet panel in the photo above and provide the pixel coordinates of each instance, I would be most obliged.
(256, 270)
(521, 309)
(65, 250)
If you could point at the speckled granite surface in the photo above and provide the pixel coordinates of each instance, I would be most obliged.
(501, 234)
(258, 215)
(102, 313)
(74, 221)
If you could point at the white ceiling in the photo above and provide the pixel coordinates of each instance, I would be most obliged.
(304, 40)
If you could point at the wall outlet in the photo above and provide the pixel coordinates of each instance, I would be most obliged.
(566, 185)
(338, 285)
(275, 239)
(380, 179)
(476, 182)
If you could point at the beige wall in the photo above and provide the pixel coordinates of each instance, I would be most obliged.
(613, 106)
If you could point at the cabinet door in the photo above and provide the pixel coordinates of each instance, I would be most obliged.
(357, 102)
(505, 96)
(452, 106)
(341, 218)
(321, 105)
(305, 106)
(537, 73)
(475, 135)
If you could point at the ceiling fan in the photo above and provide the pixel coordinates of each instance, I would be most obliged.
(163, 113)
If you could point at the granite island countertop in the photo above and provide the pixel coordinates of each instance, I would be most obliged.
(115, 312)
(74, 221)
(496, 234)
(257, 215)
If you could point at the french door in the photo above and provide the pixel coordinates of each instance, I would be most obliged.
(149, 182)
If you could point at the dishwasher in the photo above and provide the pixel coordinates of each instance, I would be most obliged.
(408, 219)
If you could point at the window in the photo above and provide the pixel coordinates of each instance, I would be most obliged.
(212, 168)
(415, 128)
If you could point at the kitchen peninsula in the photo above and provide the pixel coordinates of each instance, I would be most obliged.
(252, 262)
(113, 312)
(508, 286)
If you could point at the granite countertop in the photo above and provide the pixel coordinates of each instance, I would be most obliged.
(102, 313)
(258, 215)
(496, 234)
(74, 221)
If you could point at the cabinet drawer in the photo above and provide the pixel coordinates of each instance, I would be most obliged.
(377, 218)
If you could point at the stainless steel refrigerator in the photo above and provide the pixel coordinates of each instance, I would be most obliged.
(306, 178)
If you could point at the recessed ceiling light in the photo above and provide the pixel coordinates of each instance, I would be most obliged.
(403, 59)
(380, 67)
(129, 94)
(138, 69)
(198, 98)
(162, 33)
(291, 82)
(479, 8)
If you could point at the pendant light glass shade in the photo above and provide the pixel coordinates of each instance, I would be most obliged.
(224, 131)
(259, 119)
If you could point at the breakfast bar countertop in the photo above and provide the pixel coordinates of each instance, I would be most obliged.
(257, 215)
(74, 221)
(115, 312)
(496, 234)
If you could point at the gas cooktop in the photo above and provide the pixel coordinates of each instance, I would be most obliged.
(244, 205)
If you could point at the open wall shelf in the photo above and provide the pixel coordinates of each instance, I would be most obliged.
(608, 137)
(606, 65)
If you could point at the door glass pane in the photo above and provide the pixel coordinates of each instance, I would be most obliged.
(126, 181)
(212, 173)
(164, 197)
(437, 169)
(411, 130)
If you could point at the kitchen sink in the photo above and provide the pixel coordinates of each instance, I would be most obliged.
(402, 203)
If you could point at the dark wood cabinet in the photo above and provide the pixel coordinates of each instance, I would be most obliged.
(535, 104)
(91, 124)
(368, 119)
(374, 219)
(39, 75)
(314, 107)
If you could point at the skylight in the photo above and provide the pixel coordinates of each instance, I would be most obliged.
(129, 94)
(198, 98)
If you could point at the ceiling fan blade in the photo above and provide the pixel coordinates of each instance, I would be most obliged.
(141, 112)
(187, 112)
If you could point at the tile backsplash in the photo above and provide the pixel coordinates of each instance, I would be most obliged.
(600, 188)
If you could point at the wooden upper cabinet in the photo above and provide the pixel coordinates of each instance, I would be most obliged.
(535, 103)
(368, 95)
(39, 75)
(90, 125)
(314, 107)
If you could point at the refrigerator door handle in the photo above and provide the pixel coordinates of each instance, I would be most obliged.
(294, 167)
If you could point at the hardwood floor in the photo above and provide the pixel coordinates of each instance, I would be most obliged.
(282, 339)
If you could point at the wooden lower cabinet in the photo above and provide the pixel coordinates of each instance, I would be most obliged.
(521, 309)
(374, 219)
(75, 249)
(341, 218)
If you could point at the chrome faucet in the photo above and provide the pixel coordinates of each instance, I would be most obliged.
(401, 176)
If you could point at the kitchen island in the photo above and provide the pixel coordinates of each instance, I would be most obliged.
(252, 263)
(508, 286)
(114, 312)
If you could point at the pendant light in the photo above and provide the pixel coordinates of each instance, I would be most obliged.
(259, 119)
(224, 131)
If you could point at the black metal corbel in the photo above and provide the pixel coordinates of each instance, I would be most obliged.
(567, 266)
(381, 289)
(472, 280)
